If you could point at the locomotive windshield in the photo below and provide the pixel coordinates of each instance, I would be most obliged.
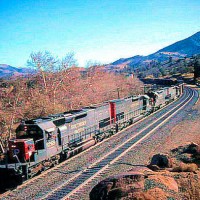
(31, 131)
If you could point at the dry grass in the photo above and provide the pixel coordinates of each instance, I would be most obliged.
(185, 168)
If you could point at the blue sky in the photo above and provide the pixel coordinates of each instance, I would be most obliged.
(101, 30)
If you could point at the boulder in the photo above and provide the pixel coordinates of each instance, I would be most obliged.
(189, 153)
(161, 160)
(191, 148)
(135, 185)
(183, 167)
(118, 186)
(186, 158)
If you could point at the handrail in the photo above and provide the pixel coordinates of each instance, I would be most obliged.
(15, 155)
(36, 141)
(126, 117)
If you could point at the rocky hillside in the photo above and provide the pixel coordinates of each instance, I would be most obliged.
(174, 176)
(7, 71)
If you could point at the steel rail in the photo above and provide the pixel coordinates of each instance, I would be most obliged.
(80, 188)
(66, 189)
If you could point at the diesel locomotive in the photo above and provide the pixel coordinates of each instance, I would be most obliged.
(42, 143)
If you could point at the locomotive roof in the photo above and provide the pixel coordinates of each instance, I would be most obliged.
(67, 114)
(145, 96)
(116, 100)
(135, 97)
(94, 106)
(73, 112)
(48, 126)
(125, 99)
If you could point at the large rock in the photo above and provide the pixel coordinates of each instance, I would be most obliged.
(186, 158)
(191, 148)
(118, 186)
(136, 185)
(189, 153)
(161, 160)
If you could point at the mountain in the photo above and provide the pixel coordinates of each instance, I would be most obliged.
(7, 71)
(179, 50)
(188, 46)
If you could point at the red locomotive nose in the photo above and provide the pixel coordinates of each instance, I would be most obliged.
(22, 148)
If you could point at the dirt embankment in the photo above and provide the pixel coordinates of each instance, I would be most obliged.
(184, 132)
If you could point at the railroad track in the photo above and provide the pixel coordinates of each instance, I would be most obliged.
(78, 184)
(67, 181)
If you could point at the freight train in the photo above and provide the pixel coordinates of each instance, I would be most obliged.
(42, 143)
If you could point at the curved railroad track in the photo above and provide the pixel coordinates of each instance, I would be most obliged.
(73, 177)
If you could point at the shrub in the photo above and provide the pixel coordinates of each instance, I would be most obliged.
(185, 168)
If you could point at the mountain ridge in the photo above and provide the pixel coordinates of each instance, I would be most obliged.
(180, 49)
(193, 41)
(8, 71)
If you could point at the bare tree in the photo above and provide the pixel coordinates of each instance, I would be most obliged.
(92, 63)
(43, 62)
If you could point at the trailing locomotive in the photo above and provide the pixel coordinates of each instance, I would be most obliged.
(43, 142)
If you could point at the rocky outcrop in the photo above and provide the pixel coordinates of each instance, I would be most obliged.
(191, 148)
(119, 186)
(147, 185)
(165, 178)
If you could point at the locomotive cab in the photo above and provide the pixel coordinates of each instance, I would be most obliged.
(146, 103)
(153, 97)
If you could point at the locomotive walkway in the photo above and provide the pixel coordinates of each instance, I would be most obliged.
(74, 178)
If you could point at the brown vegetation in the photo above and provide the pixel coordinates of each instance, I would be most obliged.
(58, 86)
(182, 167)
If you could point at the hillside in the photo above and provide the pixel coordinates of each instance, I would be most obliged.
(188, 46)
(169, 55)
(7, 71)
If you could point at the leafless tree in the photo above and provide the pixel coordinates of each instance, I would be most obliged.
(43, 62)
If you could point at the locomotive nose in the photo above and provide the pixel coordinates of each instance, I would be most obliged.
(23, 149)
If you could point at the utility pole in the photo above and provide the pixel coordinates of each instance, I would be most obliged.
(1, 147)
(118, 93)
